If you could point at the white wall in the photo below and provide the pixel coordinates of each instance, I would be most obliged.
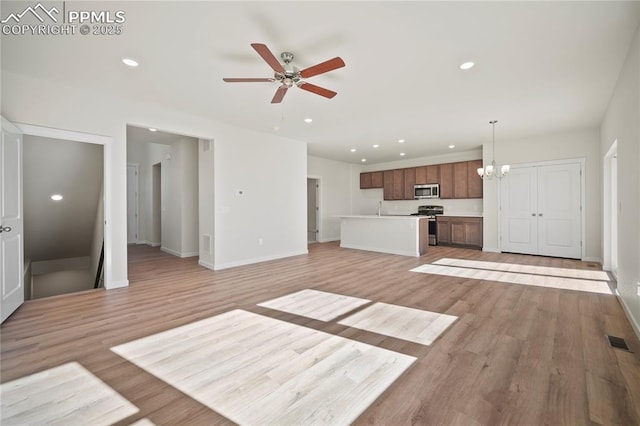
(243, 157)
(189, 197)
(622, 123)
(180, 199)
(336, 182)
(573, 144)
(260, 197)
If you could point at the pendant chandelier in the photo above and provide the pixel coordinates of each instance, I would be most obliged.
(489, 171)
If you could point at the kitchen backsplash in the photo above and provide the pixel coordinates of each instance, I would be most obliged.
(472, 206)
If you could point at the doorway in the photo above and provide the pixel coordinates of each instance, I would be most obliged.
(163, 181)
(156, 205)
(132, 203)
(313, 210)
(610, 211)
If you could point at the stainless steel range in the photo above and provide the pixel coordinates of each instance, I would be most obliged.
(431, 212)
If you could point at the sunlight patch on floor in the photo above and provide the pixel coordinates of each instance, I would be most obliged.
(315, 304)
(66, 395)
(526, 269)
(414, 325)
(561, 283)
(257, 370)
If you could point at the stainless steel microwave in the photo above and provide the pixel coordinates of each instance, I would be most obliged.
(426, 191)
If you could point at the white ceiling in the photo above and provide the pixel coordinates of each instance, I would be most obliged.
(541, 67)
(60, 229)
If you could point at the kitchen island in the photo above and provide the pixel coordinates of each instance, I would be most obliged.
(403, 235)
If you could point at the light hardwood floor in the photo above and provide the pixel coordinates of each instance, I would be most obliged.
(517, 354)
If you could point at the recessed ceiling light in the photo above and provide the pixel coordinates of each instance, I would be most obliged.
(56, 197)
(376, 146)
(130, 62)
(400, 140)
(308, 120)
(402, 154)
(151, 129)
(451, 146)
(353, 150)
(364, 160)
(467, 65)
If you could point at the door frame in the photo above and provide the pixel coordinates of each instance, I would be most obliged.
(583, 225)
(135, 166)
(319, 235)
(608, 208)
(107, 143)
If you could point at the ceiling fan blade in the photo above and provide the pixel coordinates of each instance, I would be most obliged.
(317, 90)
(277, 98)
(323, 67)
(248, 80)
(266, 54)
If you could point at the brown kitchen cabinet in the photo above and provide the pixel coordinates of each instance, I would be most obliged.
(460, 180)
(370, 180)
(446, 180)
(393, 184)
(474, 181)
(460, 231)
(427, 174)
(409, 182)
(457, 180)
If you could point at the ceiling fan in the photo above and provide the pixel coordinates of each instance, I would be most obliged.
(289, 75)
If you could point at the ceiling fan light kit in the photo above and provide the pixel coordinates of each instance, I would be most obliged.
(288, 75)
(489, 171)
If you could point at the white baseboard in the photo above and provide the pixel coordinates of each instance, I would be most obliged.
(153, 244)
(258, 260)
(206, 264)
(328, 240)
(491, 249)
(116, 284)
(179, 254)
(593, 259)
(627, 311)
(381, 250)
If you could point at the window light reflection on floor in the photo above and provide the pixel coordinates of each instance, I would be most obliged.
(530, 279)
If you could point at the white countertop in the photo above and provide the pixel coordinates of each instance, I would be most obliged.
(386, 217)
(464, 214)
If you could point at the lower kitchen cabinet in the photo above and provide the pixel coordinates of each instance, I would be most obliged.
(460, 230)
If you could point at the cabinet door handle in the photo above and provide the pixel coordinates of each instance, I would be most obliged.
(533, 214)
(539, 214)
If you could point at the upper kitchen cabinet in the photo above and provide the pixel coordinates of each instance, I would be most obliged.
(446, 180)
(409, 182)
(474, 181)
(457, 180)
(460, 180)
(427, 174)
(393, 184)
(370, 180)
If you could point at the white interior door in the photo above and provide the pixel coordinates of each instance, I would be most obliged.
(11, 221)
(559, 217)
(519, 211)
(541, 210)
(132, 203)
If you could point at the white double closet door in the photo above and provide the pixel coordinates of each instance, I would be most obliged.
(540, 210)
